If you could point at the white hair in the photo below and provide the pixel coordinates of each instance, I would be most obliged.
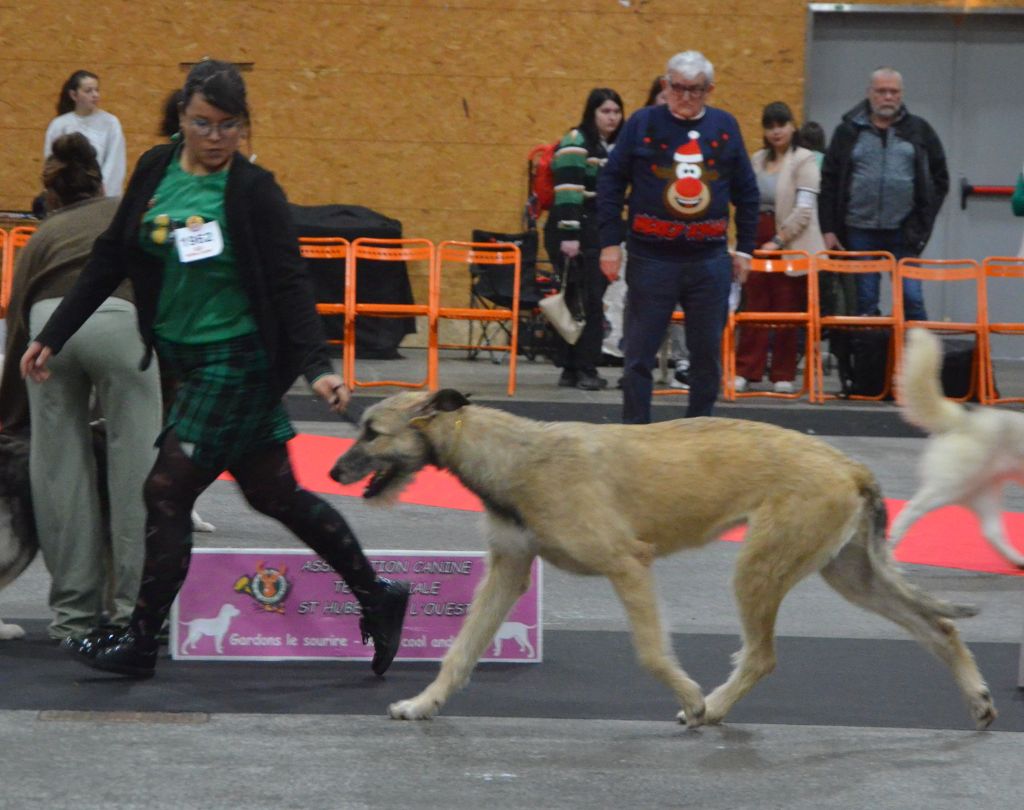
(691, 64)
(886, 71)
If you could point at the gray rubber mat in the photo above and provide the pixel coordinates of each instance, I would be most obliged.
(585, 675)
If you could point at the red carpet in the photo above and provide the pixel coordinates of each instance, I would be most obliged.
(949, 537)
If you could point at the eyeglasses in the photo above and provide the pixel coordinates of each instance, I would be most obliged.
(692, 90)
(206, 129)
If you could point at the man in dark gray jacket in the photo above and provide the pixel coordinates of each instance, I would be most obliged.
(883, 181)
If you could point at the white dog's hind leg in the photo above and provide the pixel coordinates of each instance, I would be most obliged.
(989, 509)
(9, 632)
(507, 578)
(926, 500)
(634, 584)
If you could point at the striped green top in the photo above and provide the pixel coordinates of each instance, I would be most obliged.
(575, 169)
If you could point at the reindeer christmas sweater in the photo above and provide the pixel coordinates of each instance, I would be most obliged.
(682, 176)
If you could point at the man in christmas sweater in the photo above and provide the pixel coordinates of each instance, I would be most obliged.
(684, 163)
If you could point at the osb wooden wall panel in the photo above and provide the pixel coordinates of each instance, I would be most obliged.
(421, 109)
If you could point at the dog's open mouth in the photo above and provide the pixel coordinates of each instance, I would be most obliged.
(380, 480)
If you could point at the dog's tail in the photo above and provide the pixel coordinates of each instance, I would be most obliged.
(883, 566)
(923, 402)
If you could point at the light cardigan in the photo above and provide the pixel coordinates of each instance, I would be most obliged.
(798, 227)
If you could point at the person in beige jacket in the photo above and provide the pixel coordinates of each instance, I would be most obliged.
(788, 180)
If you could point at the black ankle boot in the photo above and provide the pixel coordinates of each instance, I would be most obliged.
(92, 642)
(383, 623)
(125, 653)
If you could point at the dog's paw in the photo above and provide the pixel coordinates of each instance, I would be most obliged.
(694, 718)
(9, 632)
(415, 709)
(983, 710)
(200, 525)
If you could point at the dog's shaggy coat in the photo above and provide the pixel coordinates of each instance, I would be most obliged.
(971, 455)
(607, 500)
(18, 540)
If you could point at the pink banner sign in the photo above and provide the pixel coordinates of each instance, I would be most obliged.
(288, 604)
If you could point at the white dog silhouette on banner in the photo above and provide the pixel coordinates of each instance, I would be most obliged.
(517, 632)
(217, 627)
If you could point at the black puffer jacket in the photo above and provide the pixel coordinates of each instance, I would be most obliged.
(931, 177)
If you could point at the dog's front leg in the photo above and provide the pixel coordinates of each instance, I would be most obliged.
(634, 584)
(506, 580)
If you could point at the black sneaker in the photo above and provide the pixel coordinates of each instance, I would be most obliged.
(568, 379)
(123, 654)
(383, 623)
(590, 381)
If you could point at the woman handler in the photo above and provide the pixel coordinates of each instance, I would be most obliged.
(206, 239)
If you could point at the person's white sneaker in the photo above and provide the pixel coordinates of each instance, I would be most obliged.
(783, 387)
(681, 377)
(740, 384)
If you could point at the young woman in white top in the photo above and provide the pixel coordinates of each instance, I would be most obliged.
(78, 110)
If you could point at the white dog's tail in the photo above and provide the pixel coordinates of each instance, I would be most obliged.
(921, 395)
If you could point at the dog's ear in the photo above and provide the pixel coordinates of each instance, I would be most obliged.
(444, 401)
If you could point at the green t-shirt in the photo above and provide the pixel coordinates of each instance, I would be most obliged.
(201, 301)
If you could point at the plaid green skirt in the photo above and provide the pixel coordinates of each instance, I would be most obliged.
(222, 402)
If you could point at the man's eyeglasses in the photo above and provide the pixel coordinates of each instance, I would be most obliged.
(692, 90)
(205, 129)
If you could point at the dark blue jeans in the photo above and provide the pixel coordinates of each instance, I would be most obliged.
(655, 287)
(869, 284)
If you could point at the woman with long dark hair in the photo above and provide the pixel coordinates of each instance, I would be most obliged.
(570, 234)
(78, 110)
(788, 180)
(206, 238)
(90, 582)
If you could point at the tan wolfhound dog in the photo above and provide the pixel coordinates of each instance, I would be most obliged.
(972, 454)
(608, 499)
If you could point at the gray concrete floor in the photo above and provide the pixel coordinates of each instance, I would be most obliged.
(52, 760)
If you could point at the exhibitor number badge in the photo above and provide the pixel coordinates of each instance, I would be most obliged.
(198, 242)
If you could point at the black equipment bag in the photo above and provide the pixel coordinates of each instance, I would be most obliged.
(861, 359)
(384, 282)
(957, 362)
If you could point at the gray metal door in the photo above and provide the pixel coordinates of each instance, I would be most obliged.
(961, 72)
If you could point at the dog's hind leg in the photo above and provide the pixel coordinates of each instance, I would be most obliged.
(507, 578)
(989, 509)
(634, 584)
(926, 500)
(760, 583)
(866, 577)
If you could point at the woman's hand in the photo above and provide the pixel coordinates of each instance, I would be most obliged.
(740, 267)
(611, 260)
(570, 248)
(33, 362)
(332, 390)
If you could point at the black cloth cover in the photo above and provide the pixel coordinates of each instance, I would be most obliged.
(379, 282)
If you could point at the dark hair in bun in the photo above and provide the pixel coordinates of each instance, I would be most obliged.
(220, 84)
(72, 173)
